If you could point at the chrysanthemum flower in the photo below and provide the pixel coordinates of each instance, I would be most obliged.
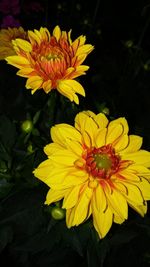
(6, 38)
(97, 169)
(52, 61)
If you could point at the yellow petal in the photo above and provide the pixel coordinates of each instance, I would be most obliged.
(82, 206)
(89, 113)
(141, 209)
(38, 33)
(59, 180)
(139, 170)
(67, 92)
(64, 157)
(82, 39)
(101, 120)
(34, 82)
(54, 195)
(52, 148)
(55, 176)
(47, 86)
(91, 128)
(61, 132)
(78, 60)
(23, 44)
(84, 49)
(122, 121)
(99, 199)
(72, 85)
(102, 220)
(135, 143)
(43, 170)
(134, 194)
(121, 187)
(144, 186)
(80, 119)
(57, 137)
(69, 37)
(86, 139)
(71, 75)
(18, 61)
(25, 72)
(75, 45)
(76, 99)
(113, 133)
(70, 216)
(69, 71)
(71, 197)
(141, 157)
(34, 38)
(130, 176)
(118, 219)
(121, 143)
(45, 34)
(74, 146)
(118, 203)
(82, 68)
(64, 35)
(57, 32)
(100, 138)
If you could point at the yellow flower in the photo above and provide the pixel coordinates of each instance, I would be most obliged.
(52, 61)
(6, 38)
(97, 169)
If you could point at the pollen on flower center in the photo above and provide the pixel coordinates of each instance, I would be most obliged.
(101, 162)
(52, 56)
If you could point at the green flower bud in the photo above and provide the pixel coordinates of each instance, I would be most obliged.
(27, 126)
(30, 149)
(129, 43)
(106, 111)
(146, 67)
(57, 213)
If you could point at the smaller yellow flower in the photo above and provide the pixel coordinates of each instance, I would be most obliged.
(52, 61)
(6, 38)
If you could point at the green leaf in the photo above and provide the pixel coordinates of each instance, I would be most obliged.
(6, 235)
(4, 154)
(71, 237)
(42, 240)
(92, 257)
(7, 132)
(5, 187)
(36, 117)
(122, 236)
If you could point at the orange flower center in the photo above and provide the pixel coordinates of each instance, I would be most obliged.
(51, 59)
(101, 162)
(46, 51)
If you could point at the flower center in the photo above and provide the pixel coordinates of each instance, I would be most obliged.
(51, 53)
(52, 56)
(51, 60)
(101, 162)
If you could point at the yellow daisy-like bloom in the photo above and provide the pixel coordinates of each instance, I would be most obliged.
(6, 38)
(97, 169)
(52, 61)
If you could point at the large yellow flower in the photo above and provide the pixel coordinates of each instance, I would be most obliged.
(6, 38)
(97, 169)
(52, 61)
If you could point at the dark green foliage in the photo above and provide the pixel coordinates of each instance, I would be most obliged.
(118, 81)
